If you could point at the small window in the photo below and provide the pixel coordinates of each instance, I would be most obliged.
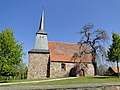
(63, 66)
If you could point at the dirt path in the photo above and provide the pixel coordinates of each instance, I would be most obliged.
(2, 84)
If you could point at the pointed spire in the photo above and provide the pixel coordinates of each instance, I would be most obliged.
(41, 42)
(41, 27)
(42, 21)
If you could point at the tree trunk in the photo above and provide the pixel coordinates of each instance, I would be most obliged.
(118, 69)
(74, 71)
(95, 67)
(94, 62)
(1, 72)
(0, 76)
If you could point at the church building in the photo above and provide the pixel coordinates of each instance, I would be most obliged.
(55, 59)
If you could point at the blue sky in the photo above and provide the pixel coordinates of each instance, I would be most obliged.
(63, 18)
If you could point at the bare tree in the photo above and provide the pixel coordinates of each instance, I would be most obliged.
(94, 39)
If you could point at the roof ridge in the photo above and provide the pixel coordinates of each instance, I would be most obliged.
(62, 42)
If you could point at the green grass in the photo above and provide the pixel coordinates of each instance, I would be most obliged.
(82, 80)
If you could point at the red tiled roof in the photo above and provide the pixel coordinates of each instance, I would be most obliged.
(63, 52)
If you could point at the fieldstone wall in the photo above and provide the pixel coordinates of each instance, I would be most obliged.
(90, 70)
(38, 65)
(57, 71)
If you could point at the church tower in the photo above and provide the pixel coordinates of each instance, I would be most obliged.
(39, 55)
(41, 42)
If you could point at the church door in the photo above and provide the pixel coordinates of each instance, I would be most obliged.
(82, 73)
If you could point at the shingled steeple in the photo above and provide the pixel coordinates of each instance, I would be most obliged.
(41, 42)
(41, 27)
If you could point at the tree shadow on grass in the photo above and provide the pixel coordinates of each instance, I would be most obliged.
(104, 77)
(4, 81)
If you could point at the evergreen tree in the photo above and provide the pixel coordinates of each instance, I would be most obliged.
(114, 50)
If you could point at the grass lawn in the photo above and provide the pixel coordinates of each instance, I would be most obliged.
(81, 80)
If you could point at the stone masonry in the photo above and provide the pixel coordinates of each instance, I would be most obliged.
(56, 71)
(38, 65)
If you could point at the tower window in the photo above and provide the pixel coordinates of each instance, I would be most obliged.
(63, 66)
